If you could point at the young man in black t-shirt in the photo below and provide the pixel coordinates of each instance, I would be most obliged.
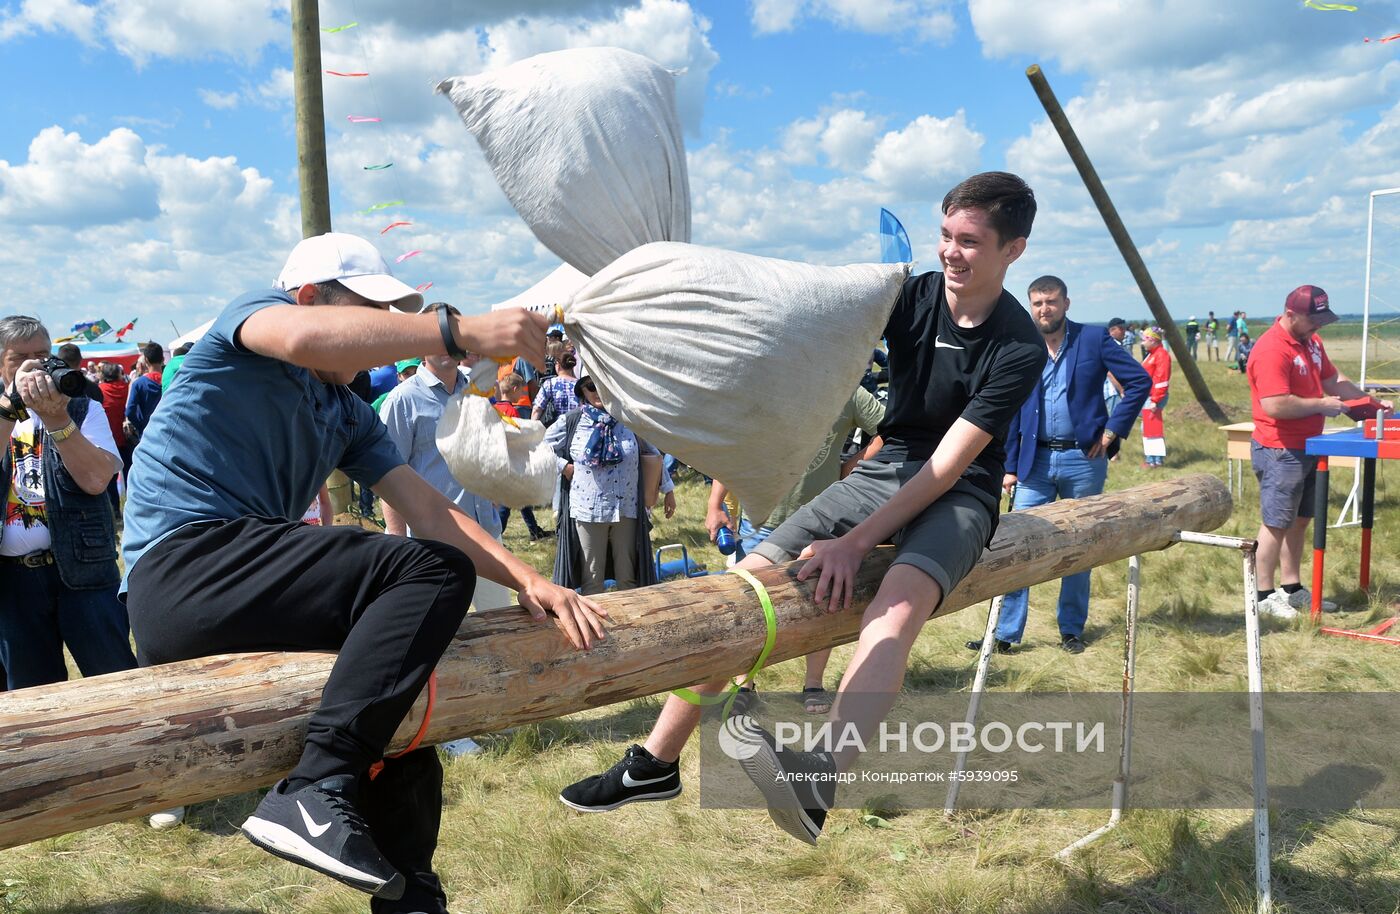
(964, 355)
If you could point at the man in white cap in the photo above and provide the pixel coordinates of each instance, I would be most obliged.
(217, 562)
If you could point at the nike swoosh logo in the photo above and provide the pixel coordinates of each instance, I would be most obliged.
(939, 344)
(312, 828)
(629, 781)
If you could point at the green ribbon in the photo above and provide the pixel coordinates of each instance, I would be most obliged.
(770, 618)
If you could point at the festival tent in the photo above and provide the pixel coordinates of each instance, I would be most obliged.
(190, 337)
(123, 354)
(555, 289)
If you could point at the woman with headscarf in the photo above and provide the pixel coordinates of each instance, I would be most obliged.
(1159, 366)
(603, 507)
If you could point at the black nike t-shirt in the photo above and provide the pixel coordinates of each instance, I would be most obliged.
(940, 372)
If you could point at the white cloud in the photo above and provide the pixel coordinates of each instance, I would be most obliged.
(120, 228)
(143, 29)
(440, 15)
(67, 182)
(848, 139)
(923, 160)
(220, 100)
(775, 15)
(69, 16)
(926, 20)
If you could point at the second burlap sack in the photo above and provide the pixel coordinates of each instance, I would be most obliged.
(735, 364)
(505, 462)
(586, 144)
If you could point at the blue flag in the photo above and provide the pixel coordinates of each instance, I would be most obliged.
(894, 240)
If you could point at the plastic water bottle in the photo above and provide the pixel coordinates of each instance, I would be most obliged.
(725, 540)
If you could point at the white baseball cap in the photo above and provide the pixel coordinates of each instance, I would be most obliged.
(354, 263)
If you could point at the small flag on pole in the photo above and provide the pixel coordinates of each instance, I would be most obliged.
(894, 240)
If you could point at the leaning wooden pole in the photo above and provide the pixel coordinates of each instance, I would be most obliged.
(1185, 363)
(81, 754)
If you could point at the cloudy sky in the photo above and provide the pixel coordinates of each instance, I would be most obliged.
(148, 161)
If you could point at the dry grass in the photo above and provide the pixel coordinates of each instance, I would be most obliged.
(507, 846)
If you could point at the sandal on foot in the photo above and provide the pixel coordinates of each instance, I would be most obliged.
(816, 700)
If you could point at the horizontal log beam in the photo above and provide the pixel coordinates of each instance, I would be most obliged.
(80, 754)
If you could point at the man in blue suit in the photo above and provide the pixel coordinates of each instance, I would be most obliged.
(1060, 442)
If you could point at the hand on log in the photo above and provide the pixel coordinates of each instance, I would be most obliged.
(579, 618)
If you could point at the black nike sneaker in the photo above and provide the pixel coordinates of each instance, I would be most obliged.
(636, 776)
(799, 787)
(319, 827)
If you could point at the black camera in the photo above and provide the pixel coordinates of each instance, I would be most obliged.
(70, 381)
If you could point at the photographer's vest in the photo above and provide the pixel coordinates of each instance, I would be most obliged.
(81, 529)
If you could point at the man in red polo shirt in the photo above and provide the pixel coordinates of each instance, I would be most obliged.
(1293, 388)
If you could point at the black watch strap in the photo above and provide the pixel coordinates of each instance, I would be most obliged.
(448, 342)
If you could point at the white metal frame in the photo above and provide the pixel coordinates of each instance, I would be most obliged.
(1352, 504)
(1254, 660)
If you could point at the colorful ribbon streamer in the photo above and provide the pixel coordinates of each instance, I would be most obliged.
(340, 28)
(393, 225)
(379, 167)
(361, 119)
(423, 288)
(339, 73)
(378, 206)
(1385, 39)
(1330, 7)
(402, 257)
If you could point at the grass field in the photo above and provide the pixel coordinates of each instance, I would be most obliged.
(509, 846)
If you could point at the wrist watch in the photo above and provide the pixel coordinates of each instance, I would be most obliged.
(63, 434)
(1108, 433)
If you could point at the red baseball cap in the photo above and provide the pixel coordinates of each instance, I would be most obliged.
(1312, 301)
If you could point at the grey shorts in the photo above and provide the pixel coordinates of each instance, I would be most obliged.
(944, 541)
(1287, 483)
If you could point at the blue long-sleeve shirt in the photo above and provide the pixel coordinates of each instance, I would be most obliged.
(141, 402)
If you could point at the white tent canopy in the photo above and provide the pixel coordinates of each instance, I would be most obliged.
(555, 289)
(190, 337)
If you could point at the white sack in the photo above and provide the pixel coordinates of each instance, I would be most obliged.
(735, 364)
(586, 143)
(508, 465)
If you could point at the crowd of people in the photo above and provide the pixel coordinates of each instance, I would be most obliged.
(225, 451)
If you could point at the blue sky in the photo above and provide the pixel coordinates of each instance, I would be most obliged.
(147, 168)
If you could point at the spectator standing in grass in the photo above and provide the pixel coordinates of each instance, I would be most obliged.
(1159, 365)
(144, 395)
(172, 368)
(1293, 389)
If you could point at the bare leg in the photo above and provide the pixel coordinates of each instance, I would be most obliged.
(891, 622)
(1291, 555)
(1270, 545)
(816, 668)
(679, 718)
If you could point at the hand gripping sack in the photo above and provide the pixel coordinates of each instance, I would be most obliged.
(510, 465)
(736, 364)
(586, 143)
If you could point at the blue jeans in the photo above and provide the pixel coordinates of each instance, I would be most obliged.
(1055, 474)
(38, 615)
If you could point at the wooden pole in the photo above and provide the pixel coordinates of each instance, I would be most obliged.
(1185, 364)
(80, 754)
(311, 118)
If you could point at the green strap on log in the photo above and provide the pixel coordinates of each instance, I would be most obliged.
(771, 619)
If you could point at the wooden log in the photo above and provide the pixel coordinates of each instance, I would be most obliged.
(80, 754)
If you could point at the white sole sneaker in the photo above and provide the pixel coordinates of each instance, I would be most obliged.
(168, 818)
(281, 841)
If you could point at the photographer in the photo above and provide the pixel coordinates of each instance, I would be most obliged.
(58, 552)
